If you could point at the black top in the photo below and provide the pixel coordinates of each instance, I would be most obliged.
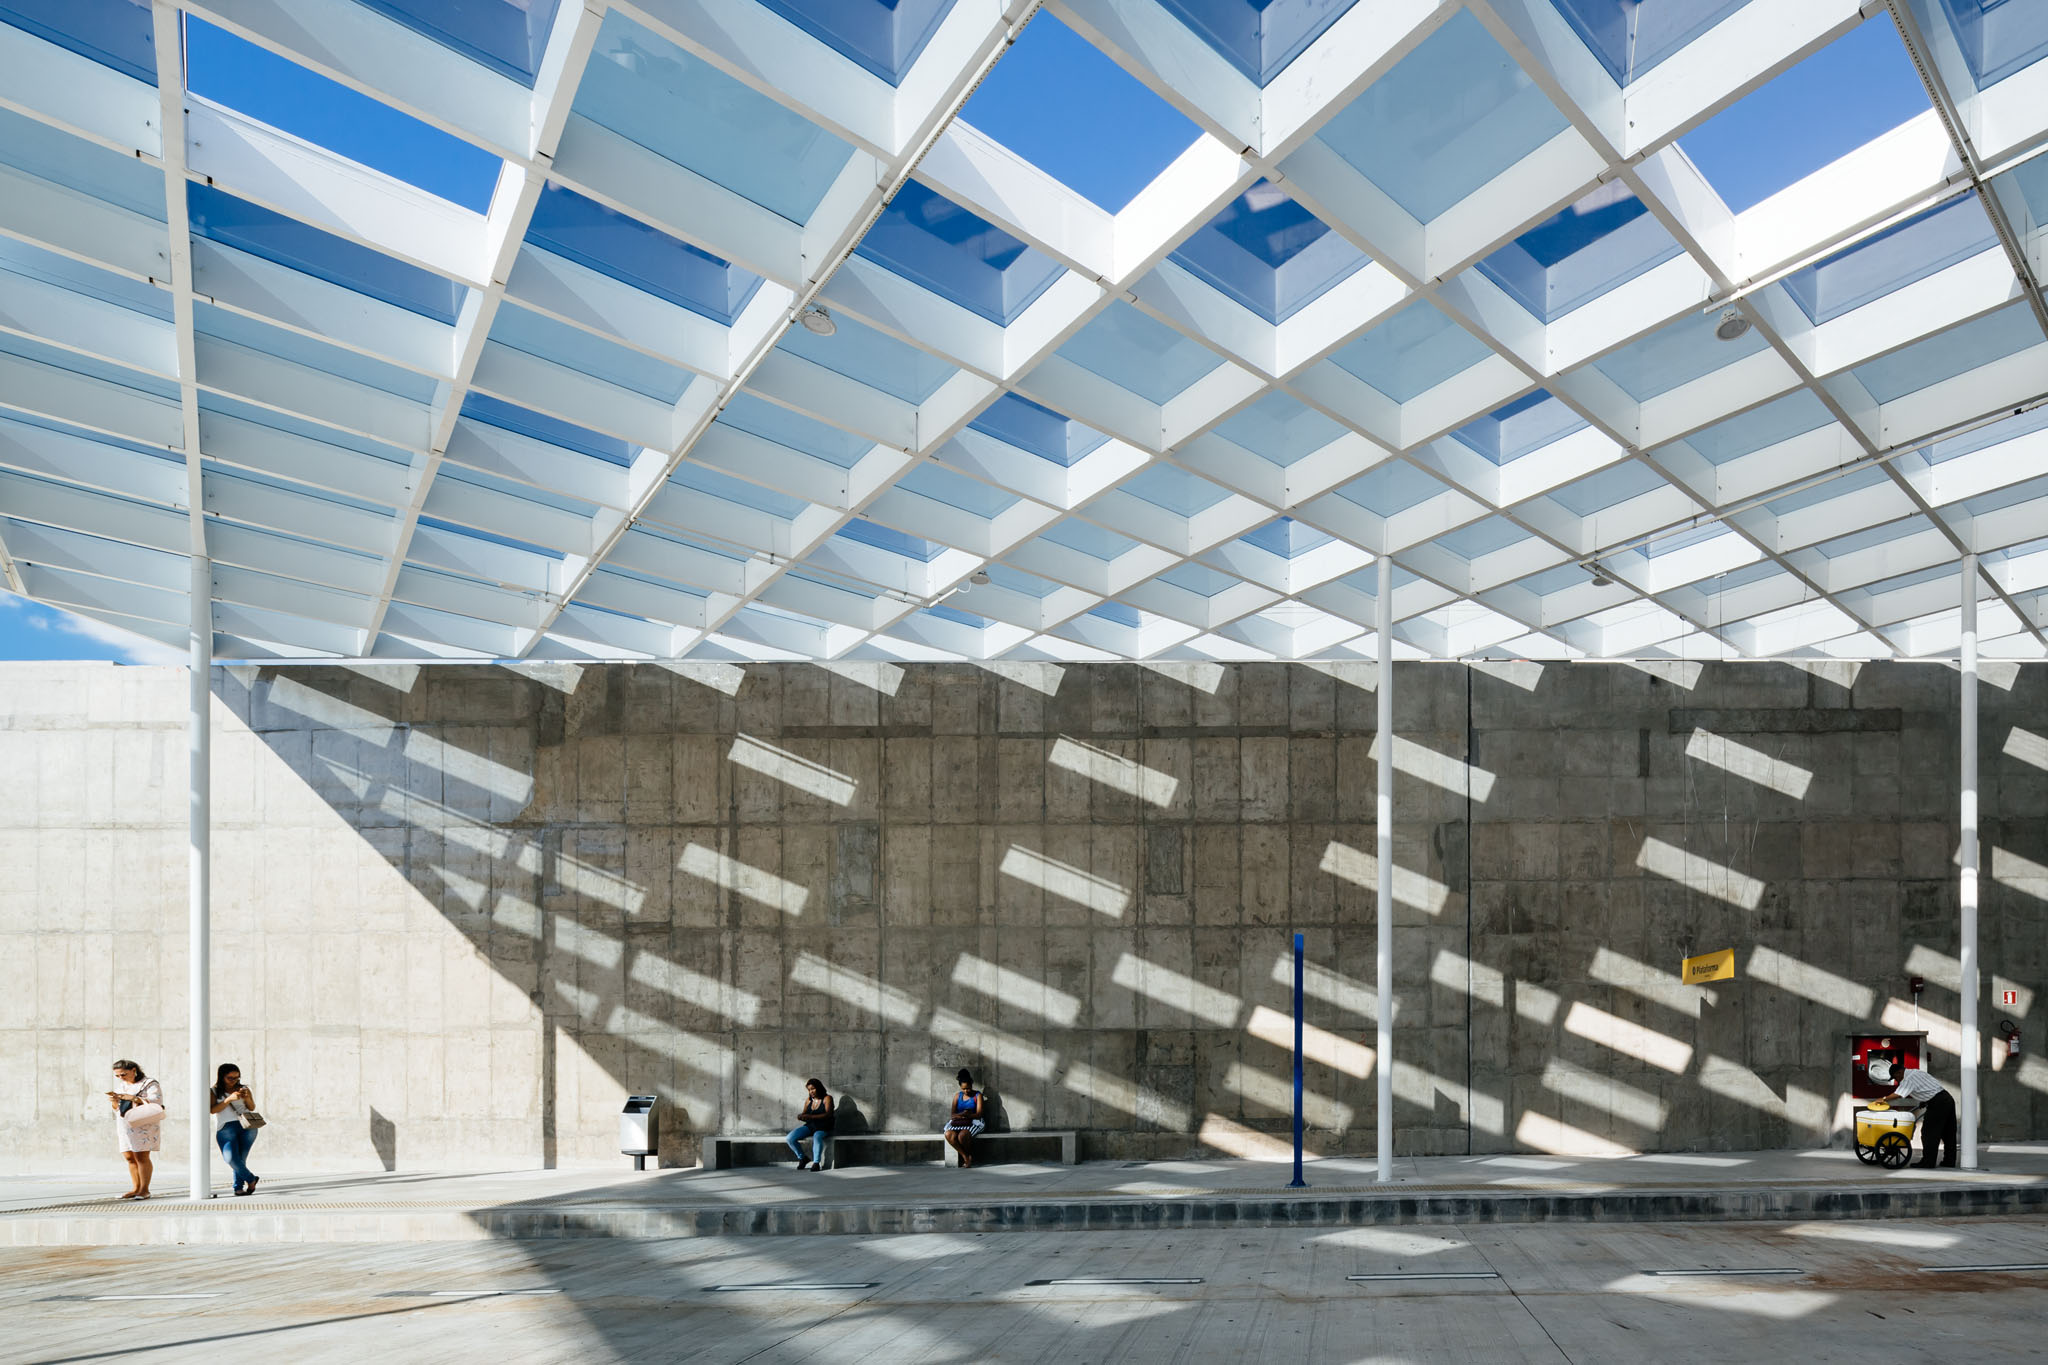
(818, 1114)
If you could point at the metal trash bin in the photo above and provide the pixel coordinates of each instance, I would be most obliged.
(639, 1133)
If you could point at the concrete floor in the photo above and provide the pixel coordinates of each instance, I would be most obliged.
(1862, 1292)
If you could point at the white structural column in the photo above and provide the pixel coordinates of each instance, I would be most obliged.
(199, 951)
(1383, 850)
(1967, 1117)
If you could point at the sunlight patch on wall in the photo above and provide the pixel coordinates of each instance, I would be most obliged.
(1332, 988)
(1803, 979)
(2027, 747)
(873, 674)
(1118, 1093)
(1641, 979)
(476, 770)
(792, 770)
(1752, 765)
(1483, 983)
(2020, 874)
(1521, 673)
(1439, 770)
(861, 992)
(1042, 678)
(725, 679)
(1065, 880)
(1317, 1045)
(1682, 673)
(1881, 1238)
(1547, 1134)
(1004, 1049)
(580, 940)
(1164, 986)
(694, 988)
(665, 1039)
(1630, 1040)
(1277, 1093)
(1536, 1004)
(1732, 1080)
(1943, 1035)
(329, 711)
(1114, 771)
(1247, 1144)
(580, 878)
(1203, 677)
(1943, 970)
(1703, 875)
(1016, 990)
(1603, 1094)
(763, 888)
(1363, 869)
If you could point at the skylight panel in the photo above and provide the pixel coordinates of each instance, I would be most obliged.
(573, 348)
(490, 538)
(1268, 253)
(958, 255)
(252, 80)
(1527, 424)
(697, 479)
(1177, 491)
(628, 250)
(1631, 37)
(1139, 353)
(1774, 422)
(56, 156)
(33, 262)
(1813, 496)
(1259, 37)
(115, 33)
(883, 37)
(220, 217)
(1857, 88)
(508, 36)
(1087, 538)
(210, 402)
(895, 542)
(1287, 538)
(1997, 37)
(881, 362)
(1923, 245)
(1412, 352)
(1450, 116)
(1036, 428)
(773, 422)
(1957, 351)
(1280, 428)
(1054, 99)
(1611, 486)
(1984, 437)
(28, 348)
(1482, 538)
(212, 321)
(1675, 355)
(499, 413)
(1579, 253)
(939, 484)
(1199, 579)
(1391, 488)
(678, 106)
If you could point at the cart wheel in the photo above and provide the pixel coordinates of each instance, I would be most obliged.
(1867, 1155)
(1894, 1150)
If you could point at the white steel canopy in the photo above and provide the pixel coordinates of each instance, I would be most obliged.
(759, 348)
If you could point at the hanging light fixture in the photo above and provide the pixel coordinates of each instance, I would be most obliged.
(816, 319)
(1731, 325)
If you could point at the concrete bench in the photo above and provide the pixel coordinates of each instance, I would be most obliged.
(721, 1150)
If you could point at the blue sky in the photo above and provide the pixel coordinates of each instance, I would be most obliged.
(1054, 100)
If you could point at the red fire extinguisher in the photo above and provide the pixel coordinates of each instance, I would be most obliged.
(2012, 1037)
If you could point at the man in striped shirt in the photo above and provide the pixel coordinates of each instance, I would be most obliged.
(1938, 1124)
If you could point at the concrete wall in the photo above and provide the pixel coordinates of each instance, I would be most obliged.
(460, 912)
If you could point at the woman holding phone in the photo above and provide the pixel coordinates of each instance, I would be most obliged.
(234, 1124)
(138, 1105)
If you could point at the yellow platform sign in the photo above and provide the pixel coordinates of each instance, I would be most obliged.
(1708, 967)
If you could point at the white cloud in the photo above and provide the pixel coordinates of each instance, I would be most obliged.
(125, 645)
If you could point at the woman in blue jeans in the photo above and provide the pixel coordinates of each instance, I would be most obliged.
(232, 1104)
(815, 1123)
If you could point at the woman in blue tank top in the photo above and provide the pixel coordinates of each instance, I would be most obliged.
(965, 1121)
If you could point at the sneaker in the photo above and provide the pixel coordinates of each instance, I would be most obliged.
(803, 1165)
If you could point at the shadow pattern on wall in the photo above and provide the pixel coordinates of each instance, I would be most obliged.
(708, 882)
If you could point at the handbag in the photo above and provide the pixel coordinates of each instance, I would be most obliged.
(252, 1119)
(144, 1115)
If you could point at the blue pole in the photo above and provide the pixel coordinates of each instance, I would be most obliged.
(1297, 1183)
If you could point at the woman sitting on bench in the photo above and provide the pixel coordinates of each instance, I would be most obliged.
(966, 1122)
(815, 1123)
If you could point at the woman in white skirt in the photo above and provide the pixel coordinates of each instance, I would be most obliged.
(138, 1104)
